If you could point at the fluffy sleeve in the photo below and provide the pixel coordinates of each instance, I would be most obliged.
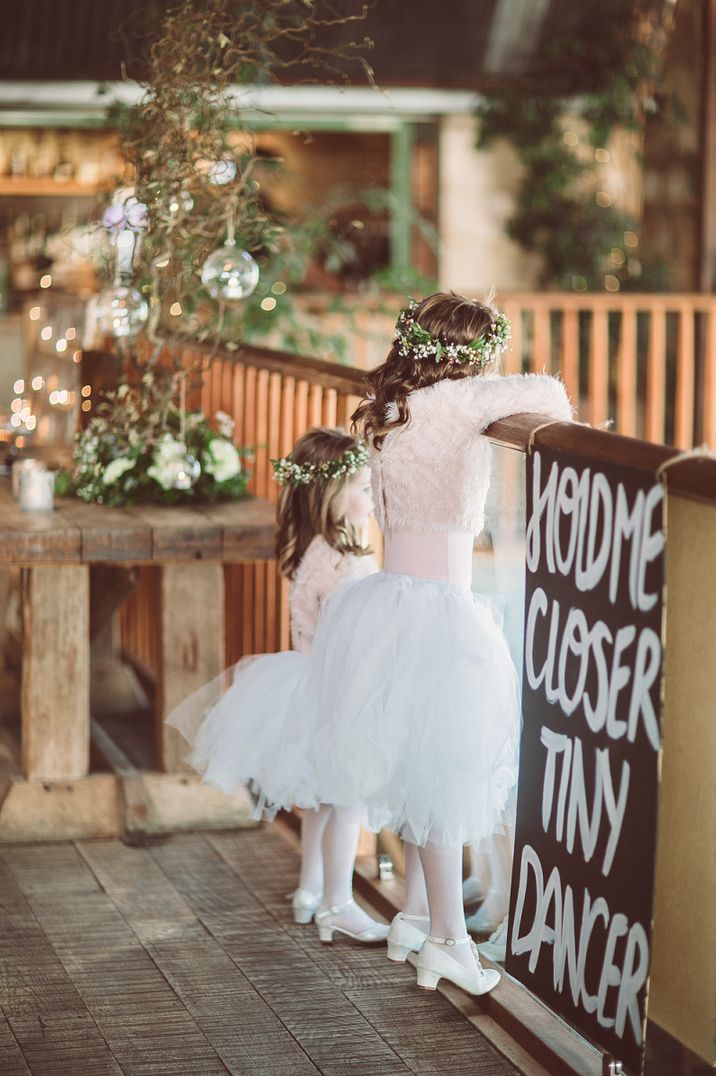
(485, 399)
(320, 572)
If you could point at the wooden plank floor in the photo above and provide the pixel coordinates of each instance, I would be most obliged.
(182, 958)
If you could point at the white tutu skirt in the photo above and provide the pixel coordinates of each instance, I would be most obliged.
(407, 706)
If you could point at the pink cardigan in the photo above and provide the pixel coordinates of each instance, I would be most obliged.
(434, 473)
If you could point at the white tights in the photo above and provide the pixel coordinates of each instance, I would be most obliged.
(329, 842)
(433, 883)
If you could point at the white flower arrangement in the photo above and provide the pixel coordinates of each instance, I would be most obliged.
(131, 450)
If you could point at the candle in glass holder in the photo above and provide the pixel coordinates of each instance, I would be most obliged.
(19, 467)
(36, 490)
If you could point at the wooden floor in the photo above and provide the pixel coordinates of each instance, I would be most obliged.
(182, 958)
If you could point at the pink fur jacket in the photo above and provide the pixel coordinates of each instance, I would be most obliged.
(321, 569)
(434, 473)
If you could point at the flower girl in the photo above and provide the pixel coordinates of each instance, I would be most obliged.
(253, 734)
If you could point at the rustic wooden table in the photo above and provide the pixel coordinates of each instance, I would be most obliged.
(55, 550)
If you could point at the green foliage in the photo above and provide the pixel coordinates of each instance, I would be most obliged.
(605, 75)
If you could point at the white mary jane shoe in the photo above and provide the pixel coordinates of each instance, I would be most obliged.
(403, 938)
(304, 904)
(378, 932)
(433, 963)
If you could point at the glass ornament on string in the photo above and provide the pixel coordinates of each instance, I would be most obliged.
(230, 273)
(181, 473)
(222, 172)
(121, 310)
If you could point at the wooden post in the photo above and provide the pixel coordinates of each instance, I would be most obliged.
(191, 645)
(55, 672)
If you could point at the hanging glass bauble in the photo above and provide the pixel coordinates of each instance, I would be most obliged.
(221, 172)
(230, 273)
(181, 472)
(121, 311)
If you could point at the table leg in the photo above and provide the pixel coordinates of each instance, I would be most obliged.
(55, 672)
(192, 644)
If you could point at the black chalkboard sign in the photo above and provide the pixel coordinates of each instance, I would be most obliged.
(583, 875)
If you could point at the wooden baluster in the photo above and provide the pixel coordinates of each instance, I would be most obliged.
(598, 410)
(261, 435)
(227, 386)
(656, 375)
(274, 431)
(205, 404)
(286, 437)
(300, 410)
(343, 412)
(569, 366)
(512, 359)
(250, 416)
(315, 399)
(329, 410)
(541, 355)
(55, 672)
(685, 380)
(216, 386)
(709, 397)
(626, 374)
(237, 401)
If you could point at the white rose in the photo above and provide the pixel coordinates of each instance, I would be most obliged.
(116, 469)
(166, 451)
(221, 460)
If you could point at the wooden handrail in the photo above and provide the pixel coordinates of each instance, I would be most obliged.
(693, 477)
(330, 375)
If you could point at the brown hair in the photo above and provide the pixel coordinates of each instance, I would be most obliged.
(307, 510)
(449, 318)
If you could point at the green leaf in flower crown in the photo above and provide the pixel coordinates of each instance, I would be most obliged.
(438, 351)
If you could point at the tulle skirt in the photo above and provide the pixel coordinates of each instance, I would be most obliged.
(407, 706)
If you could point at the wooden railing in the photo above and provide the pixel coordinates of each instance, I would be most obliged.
(648, 362)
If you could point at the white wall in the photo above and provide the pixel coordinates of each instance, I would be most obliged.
(477, 189)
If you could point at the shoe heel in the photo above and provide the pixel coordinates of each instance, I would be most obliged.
(427, 979)
(302, 915)
(398, 953)
(325, 934)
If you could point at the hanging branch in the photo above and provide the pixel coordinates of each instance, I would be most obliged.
(192, 154)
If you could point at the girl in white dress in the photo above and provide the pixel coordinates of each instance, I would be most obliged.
(414, 694)
(249, 733)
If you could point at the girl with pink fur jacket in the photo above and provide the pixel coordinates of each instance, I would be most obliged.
(413, 690)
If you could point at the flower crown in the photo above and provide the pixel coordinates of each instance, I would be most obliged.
(303, 474)
(413, 337)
